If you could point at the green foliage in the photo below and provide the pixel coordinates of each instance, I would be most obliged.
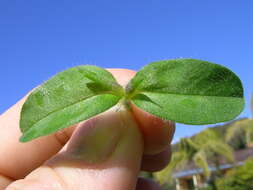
(207, 188)
(68, 98)
(187, 91)
(206, 146)
(146, 174)
(213, 144)
(237, 141)
(169, 186)
(241, 127)
(184, 90)
(240, 178)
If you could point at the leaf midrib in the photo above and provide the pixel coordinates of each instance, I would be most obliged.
(140, 92)
(76, 102)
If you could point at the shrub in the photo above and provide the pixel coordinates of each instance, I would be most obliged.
(240, 178)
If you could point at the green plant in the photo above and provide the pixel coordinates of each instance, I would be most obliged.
(238, 178)
(206, 147)
(241, 127)
(206, 188)
(188, 91)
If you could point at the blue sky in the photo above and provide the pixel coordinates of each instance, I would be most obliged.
(40, 38)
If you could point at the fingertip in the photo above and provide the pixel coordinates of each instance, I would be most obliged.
(157, 162)
(157, 133)
(123, 76)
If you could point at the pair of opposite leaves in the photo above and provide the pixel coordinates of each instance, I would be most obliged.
(187, 91)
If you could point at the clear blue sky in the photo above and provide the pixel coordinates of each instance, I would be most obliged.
(40, 38)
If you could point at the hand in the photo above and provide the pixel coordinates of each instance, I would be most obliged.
(69, 159)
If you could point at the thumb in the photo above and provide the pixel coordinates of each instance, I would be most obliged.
(103, 153)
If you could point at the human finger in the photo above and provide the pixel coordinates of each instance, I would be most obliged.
(156, 162)
(157, 133)
(15, 163)
(21, 158)
(94, 157)
(147, 184)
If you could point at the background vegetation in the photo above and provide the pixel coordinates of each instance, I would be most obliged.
(240, 178)
(206, 148)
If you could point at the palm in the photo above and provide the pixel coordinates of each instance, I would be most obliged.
(202, 149)
(242, 126)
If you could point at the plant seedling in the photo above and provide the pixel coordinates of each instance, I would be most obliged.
(188, 91)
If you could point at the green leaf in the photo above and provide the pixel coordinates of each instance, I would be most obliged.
(187, 91)
(220, 148)
(68, 98)
(201, 161)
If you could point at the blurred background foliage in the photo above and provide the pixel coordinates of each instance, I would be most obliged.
(209, 146)
(240, 178)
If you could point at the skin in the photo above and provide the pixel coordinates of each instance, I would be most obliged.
(64, 160)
